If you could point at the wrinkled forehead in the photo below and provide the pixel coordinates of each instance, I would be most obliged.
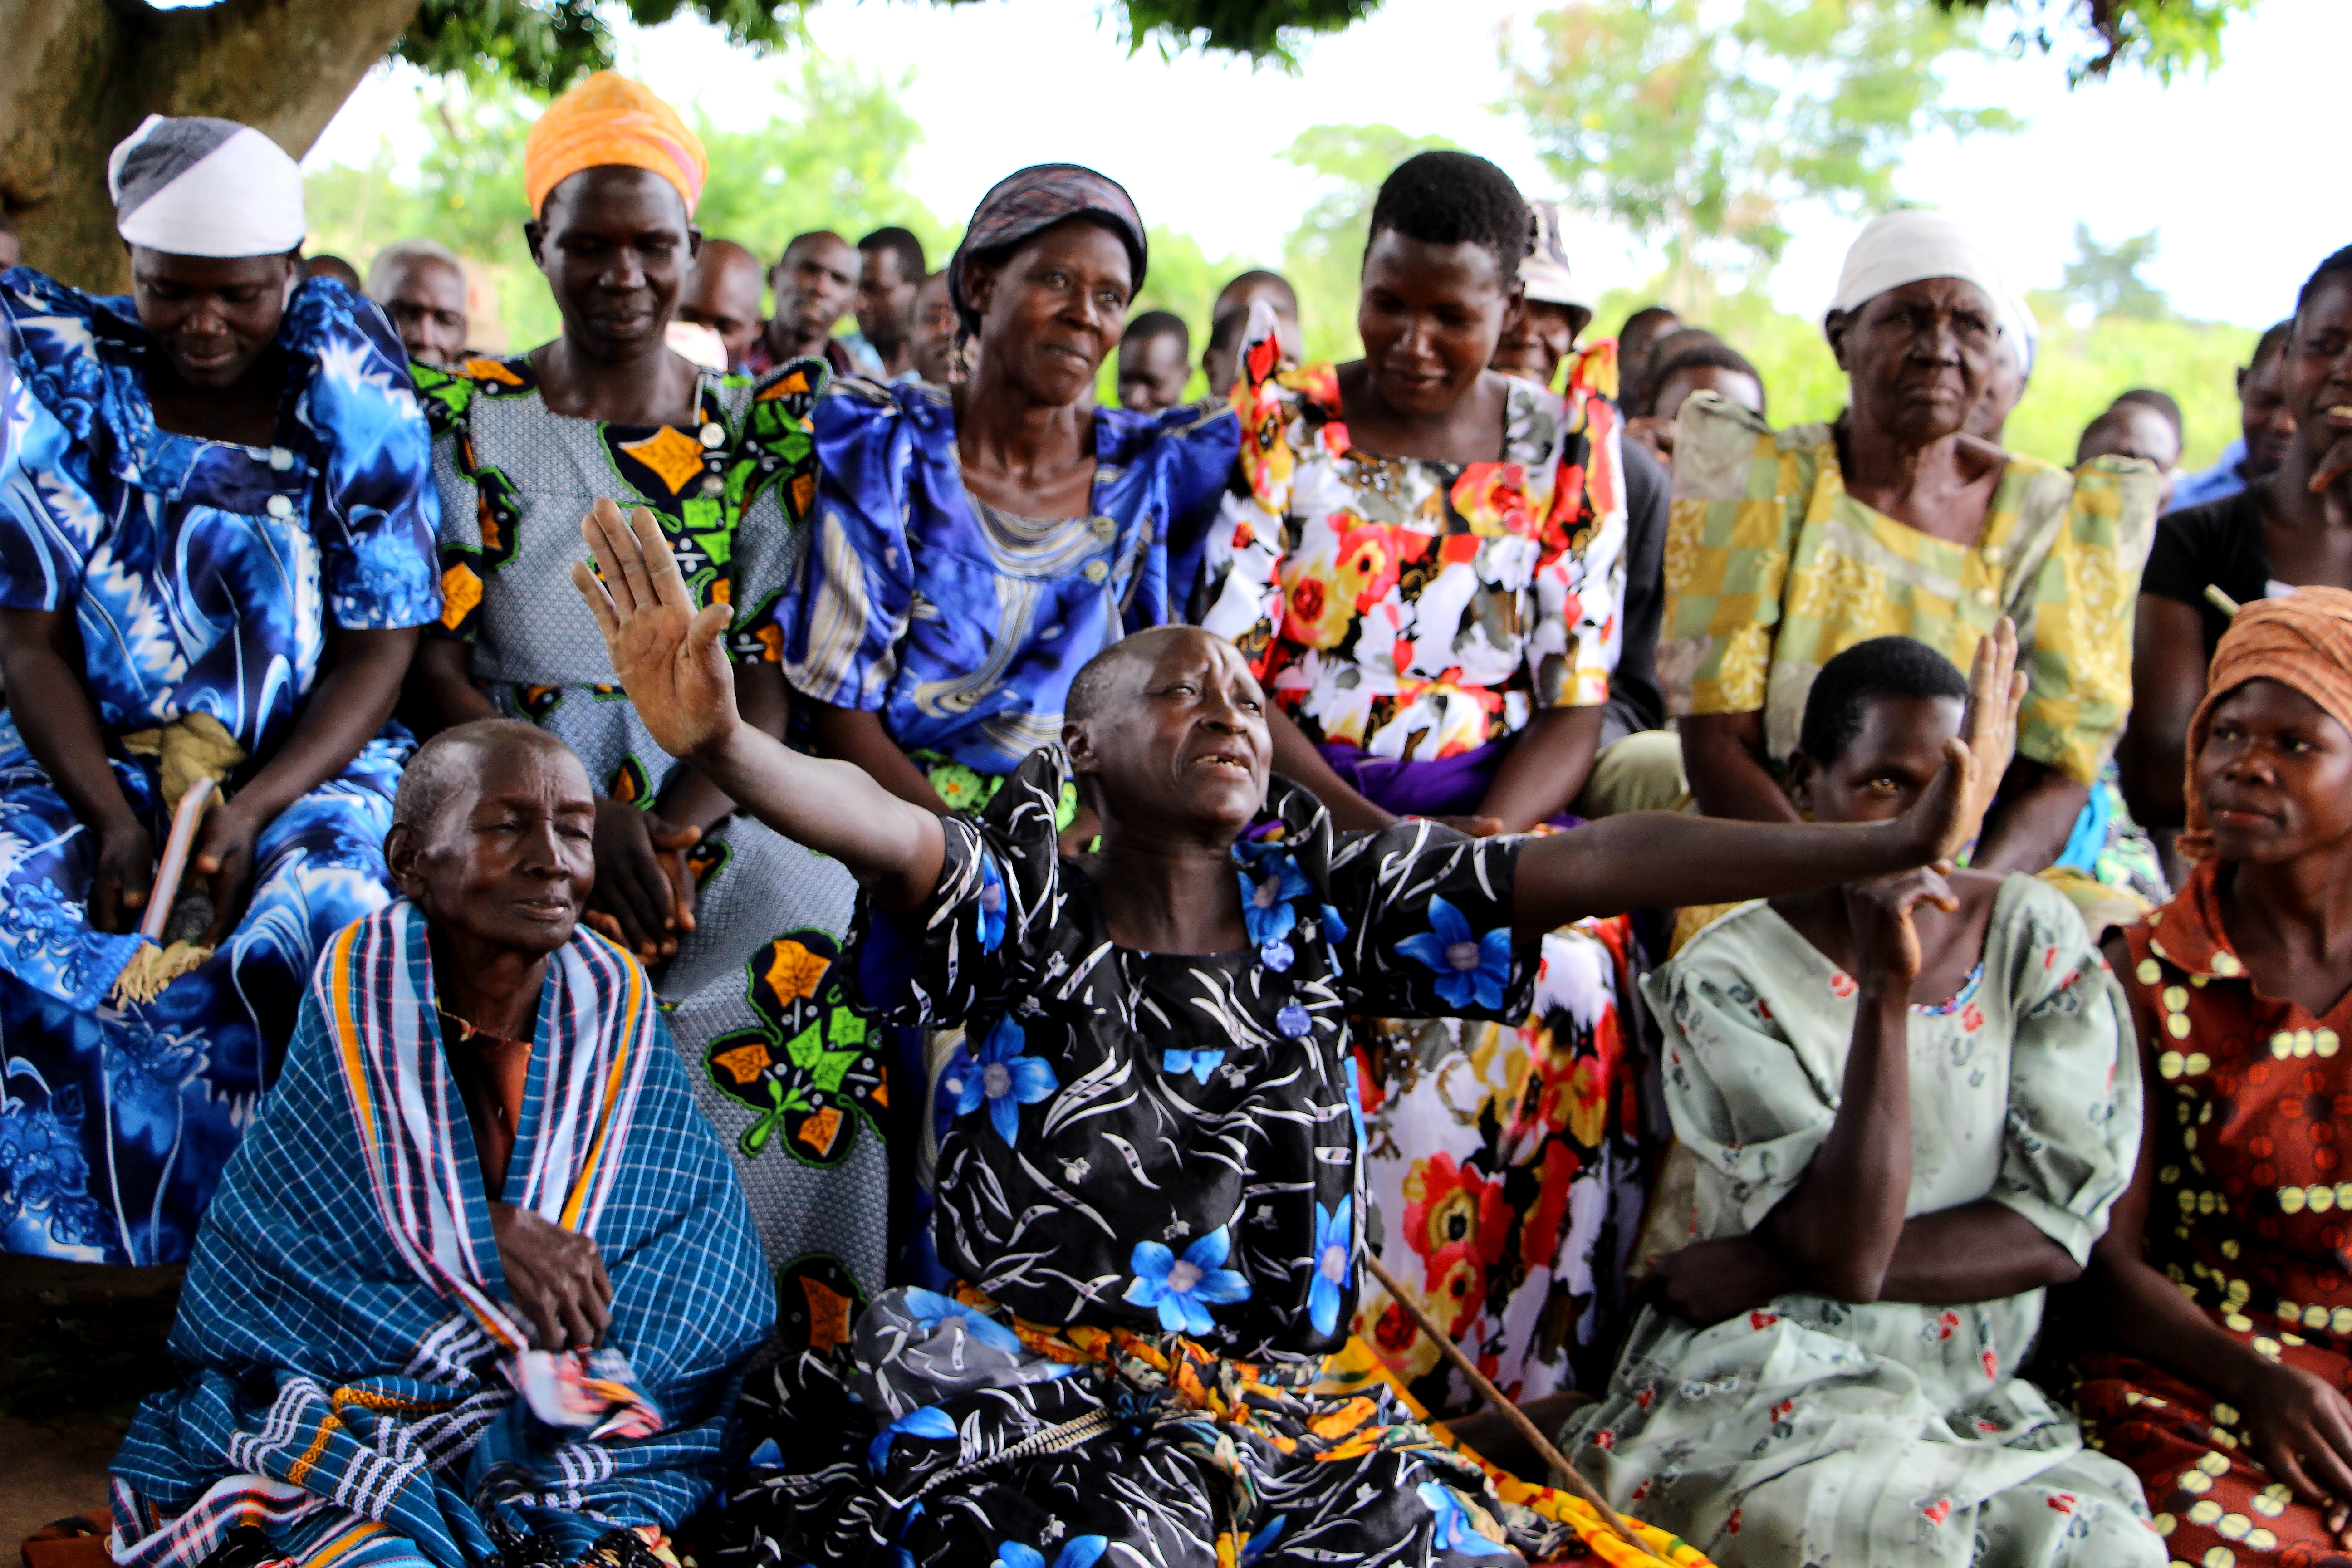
(1944, 294)
(426, 275)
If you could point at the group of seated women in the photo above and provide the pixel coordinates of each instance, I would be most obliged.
(1136, 1137)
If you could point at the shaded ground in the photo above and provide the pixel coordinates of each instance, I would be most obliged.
(78, 1345)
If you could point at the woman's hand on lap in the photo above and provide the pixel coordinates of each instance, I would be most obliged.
(670, 658)
(1709, 1281)
(126, 874)
(2301, 1430)
(224, 853)
(556, 1277)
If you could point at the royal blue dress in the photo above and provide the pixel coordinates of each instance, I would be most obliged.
(963, 624)
(203, 576)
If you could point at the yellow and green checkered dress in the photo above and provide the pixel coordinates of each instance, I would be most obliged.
(1772, 568)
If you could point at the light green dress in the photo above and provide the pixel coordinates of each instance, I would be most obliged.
(1819, 1433)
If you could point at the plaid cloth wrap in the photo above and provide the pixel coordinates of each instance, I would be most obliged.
(342, 1329)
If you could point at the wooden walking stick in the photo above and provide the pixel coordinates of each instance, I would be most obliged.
(1502, 1404)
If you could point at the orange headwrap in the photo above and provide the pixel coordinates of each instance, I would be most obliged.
(608, 119)
(2304, 641)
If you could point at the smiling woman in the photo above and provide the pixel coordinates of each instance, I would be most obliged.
(1423, 561)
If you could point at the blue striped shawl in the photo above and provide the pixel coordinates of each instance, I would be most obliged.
(342, 1325)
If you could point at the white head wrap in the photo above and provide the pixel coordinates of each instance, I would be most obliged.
(1545, 271)
(200, 186)
(1905, 247)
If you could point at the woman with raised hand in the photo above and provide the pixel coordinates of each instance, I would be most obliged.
(1422, 559)
(1910, 1103)
(216, 518)
(2223, 1360)
(1787, 546)
(522, 444)
(1150, 1168)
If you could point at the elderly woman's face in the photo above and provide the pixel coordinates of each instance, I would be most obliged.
(1186, 740)
(2276, 775)
(1920, 356)
(508, 865)
(1055, 309)
(1431, 316)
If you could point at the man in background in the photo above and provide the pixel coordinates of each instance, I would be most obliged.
(2265, 430)
(931, 333)
(11, 253)
(336, 267)
(815, 283)
(1643, 328)
(1555, 314)
(722, 293)
(2135, 425)
(1155, 360)
(892, 268)
(422, 288)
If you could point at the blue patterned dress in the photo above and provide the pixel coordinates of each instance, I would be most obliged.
(203, 576)
(962, 625)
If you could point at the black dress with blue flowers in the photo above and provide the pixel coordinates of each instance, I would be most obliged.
(1150, 1176)
(1161, 1141)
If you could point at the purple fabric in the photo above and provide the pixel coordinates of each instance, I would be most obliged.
(1446, 786)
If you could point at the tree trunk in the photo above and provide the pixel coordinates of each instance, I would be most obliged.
(77, 76)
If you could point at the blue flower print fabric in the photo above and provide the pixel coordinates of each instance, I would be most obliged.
(203, 577)
(1160, 1141)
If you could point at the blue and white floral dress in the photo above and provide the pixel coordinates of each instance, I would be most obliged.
(203, 576)
(1150, 1174)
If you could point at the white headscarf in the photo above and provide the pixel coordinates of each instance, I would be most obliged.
(1905, 247)
(200, 186)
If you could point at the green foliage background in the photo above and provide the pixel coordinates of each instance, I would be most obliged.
(833, 154)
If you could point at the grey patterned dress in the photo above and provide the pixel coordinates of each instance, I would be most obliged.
(731, 493)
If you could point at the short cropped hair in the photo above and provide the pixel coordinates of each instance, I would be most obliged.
(399, 254)
(1717, 355)
(2273, 339)
(1262, 275)
(912, 262)
(432, 779)
(2339, 262)
(1883, 667)
(1159, 324)
(1455, 198)
(2151, 397)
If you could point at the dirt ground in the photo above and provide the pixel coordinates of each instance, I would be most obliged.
(78, 1345)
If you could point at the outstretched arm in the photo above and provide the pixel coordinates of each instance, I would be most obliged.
(674, 668)
(1659, 860)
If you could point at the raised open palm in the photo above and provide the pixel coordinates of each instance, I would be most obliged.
(668, 656)
(1996, 689)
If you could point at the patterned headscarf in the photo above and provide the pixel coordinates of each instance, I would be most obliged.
(608, 119)
(2304, 641)
(1037, 199)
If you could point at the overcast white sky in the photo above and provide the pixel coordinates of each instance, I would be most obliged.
(2215, 164)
